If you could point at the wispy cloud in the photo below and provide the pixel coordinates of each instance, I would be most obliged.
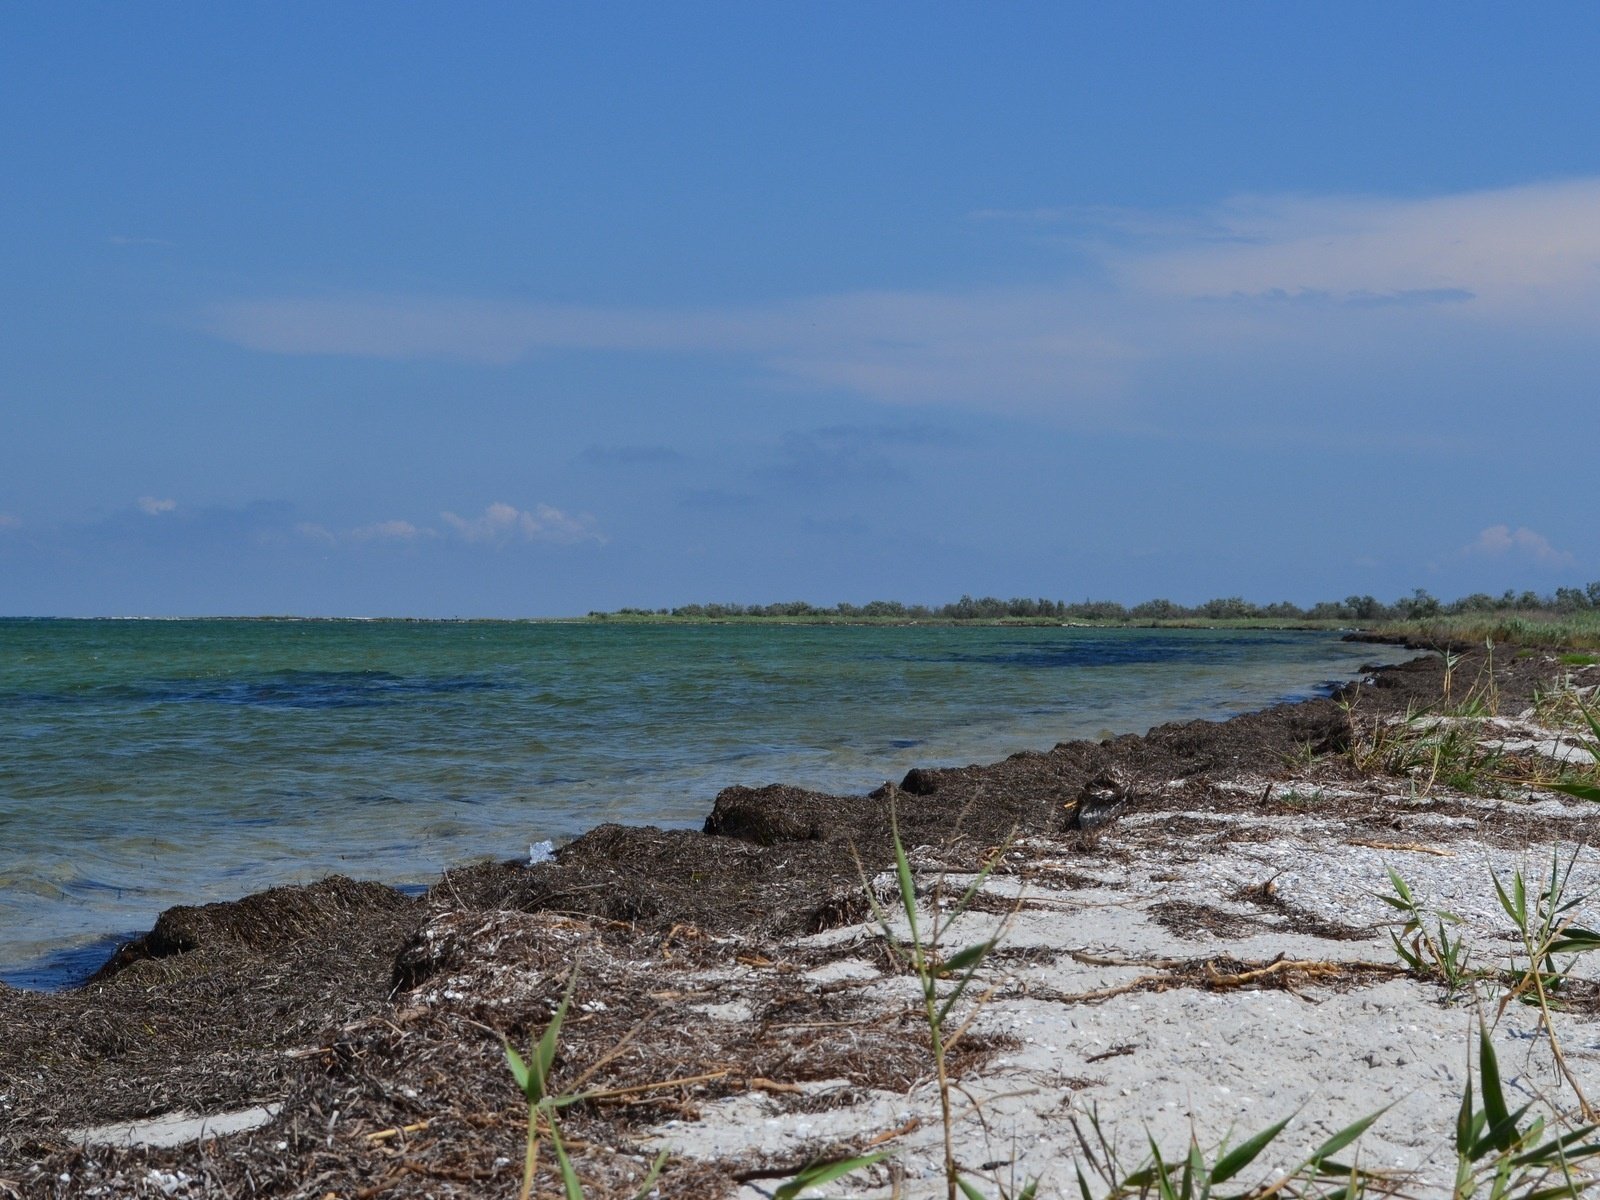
(501, 522)
(314, 532)
(1501, 541)
(152, 507)
(1145, 294)
(391, 531)
(377, 531)
(1507, 249)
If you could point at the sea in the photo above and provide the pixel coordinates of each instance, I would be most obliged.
(150, 763)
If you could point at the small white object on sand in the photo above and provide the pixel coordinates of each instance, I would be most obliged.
(174, 1129)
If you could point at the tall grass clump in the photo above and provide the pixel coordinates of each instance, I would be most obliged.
(1545, 932)
(1572, 630)
(1551, 939)
(1194, 1175)
(1509, 1155)
(1586, 790)
(1446, 743)
(532, 1075)
(942, 980)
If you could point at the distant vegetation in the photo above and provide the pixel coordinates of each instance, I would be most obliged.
(1572, 605)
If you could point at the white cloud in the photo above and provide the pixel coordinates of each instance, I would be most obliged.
(1501, 541)
(1290, 279)
(502, 522)
(391, 531)
(7, 521)
(153, 507)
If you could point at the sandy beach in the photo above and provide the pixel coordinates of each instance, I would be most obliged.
(1190, 944)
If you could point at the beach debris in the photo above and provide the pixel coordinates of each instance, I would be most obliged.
(541, 852)
(778, 814)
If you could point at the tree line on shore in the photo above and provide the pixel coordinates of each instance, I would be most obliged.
(1418, 605)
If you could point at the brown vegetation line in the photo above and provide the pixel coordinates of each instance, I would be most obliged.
(306, 995)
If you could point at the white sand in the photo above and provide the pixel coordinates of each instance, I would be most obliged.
(1215, 1064)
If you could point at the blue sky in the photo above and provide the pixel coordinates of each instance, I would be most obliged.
(529, 310)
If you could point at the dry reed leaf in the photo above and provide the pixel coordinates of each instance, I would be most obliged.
(1414, 847)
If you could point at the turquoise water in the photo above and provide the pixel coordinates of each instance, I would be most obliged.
(151, 763)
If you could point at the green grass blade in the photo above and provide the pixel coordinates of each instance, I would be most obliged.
(1592, 716)
(1405, 956)
(1583, 791)
(1557, 1148)
(1560, 1191)
(1401, 888)
(965, 960)
(544, 1054)
(969, 1190)
(908, 892)
(1501, 1136)
(1508, 904)
(1194, 1168)
(1494, 1097)
(973, 888)
(569, 1177)
(1160, 1173)
(820, 1173)
(965, 982)
(955, 995)
(519, 1071)
(1245, 1153)
(652, 1175)
(1574, 940)
(1468, 1124)
(1343, 1138)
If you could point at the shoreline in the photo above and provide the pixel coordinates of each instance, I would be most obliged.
(670, 781)
(717, 940)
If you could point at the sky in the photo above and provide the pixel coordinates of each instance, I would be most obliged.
(529, 310)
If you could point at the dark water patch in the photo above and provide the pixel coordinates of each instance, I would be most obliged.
(282, 690)
(376, 799)
(1098, 652)
(1317, 691)
(86, 886)
(65, 968)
